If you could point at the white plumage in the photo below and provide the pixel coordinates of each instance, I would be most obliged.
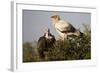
(64, 28)
(61, 26)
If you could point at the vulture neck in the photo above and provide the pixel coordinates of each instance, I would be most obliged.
(47, 35)
(56, 21)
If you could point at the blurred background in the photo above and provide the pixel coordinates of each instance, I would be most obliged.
(34, 22)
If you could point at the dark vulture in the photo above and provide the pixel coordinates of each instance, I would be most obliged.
(45, 42)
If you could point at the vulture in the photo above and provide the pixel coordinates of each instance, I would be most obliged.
(64, 28)
(45, 42)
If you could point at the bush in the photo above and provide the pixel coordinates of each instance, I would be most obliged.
(77, 48)
(74, 48)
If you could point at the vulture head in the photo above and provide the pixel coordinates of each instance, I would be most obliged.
(55, 19)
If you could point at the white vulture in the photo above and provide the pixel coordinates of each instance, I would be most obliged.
(64, 28)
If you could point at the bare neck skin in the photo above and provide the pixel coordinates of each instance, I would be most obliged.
(47, 34)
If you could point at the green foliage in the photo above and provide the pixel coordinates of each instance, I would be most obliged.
(76, 48)
(30, 53)
(73, 48)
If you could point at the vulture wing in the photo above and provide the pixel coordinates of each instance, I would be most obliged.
(65, 27)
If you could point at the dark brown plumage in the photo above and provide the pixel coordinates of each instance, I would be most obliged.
(45, 42)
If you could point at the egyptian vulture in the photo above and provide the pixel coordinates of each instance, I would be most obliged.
(64, 28)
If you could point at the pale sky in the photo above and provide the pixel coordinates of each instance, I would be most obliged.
(35, 21)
